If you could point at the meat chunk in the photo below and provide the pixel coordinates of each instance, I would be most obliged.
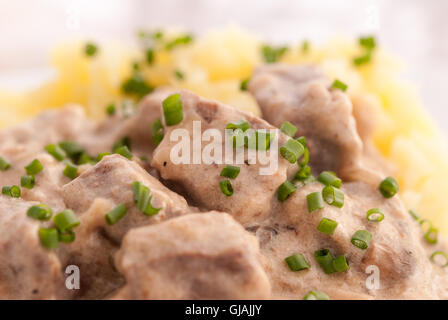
(199, 256)
(27, 270)
(91, 196)
(395, 248)
(253, 192)
(301, 95)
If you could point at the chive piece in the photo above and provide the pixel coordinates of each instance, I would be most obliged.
(340, 264)
(271, 54)
(56, 151)
(179, 75)
(368, 42)
(297, 262)
(49, 238)
(116, 214)
(111, 109)
(149, 55)
(306, 157)
(288, 128)
(90, 49)
(67, 236)
(361, 60)
(72, 149)
(414, 214)
(325, 260)
(361, 239)
(12, 191)
(142, 197)
(102, 155)
(440, 253)
(226, 188)
(34, 167)
(85, 158)
(157, 131)
(244, 83)
(292, 150)
(303, 173)
(316, 295)
(70, 171)
(327, 226)
(302, 140)
(230, 172)
(422, 222)
(172, 109)
(66, 220)
(285, 190)
(375, 215)
(329, 179)
(314, 201)
(333, 196)
(389, 187)
(238, 138)
(259, 140)
(4, 165)
(337, 84)
(136, 86)
(182, 40)
(27, 182)
(125, 141)
(243, 125)
(305, 46)
(431, 235)
(40, 212)
(124, 151)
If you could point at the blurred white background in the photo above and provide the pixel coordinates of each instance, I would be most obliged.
(416, 30)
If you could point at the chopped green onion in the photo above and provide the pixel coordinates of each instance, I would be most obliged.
(361, 239)
(124, 151)
(4, 165)
(56, 151)
(414, 214)
(157, 131)
(116, 214)
(340, 264)
(243, 125)
(440, 253)
(142, 197)
(329, 179)
(85, 158)
(325, 260)
(90, 49)
(238, 138)
(292, 150)
(297, 262)
(364, 59)
(368, 42)
(333, 196)
(73, 149)
(136, 85)
(27, 182)
(179, 75)
(285, 190)
(230, 172)
(303, 173)
(327, 226)
(271, 54)
(12, 191)
(337, 84)
(316, 295)
(149, 55)
(182, 40)
(431, 235)
(226, 188)
(375, 215)
(288, 128)
(66, 220)
(302, 140)
(306, 157)
(111, 109)
(172, 109)
(67, 237)
(314, 201)
(49, 238)
(305, 46)
(40, 212)
(102, 155)
(70, 171)
(389, 187)
(244, 83)
(34, 167)
(125, 141)
(259, 140)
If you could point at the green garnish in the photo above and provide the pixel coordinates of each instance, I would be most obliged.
(431, 235)
(172, 110)
(327, 226)
(288, 128)
(56, 151)
(329, 179)
(116, 214)
(73, 149)
(4, 165)
(337, 84)
(179, 75)
(368, 42)
(157, 131)
(316, 295)
(272, 54)
(243, 125)
(142, 197)
(124, 151)
(297, 262)
(414, 214)
(314, 201)
(149, 55)
(333, 196)
(375, 215)
(440, 253)
(285, 190)
(325, 260)
(244, 83)
(40, 212)
(182, 40)
(230, 172)
(136, 86)
(27, 182)
(111, 109)
(102, 155)
(364, 59)
(90, 49)
(361, 239)
(340, 264)
(292, 150)
(67, 236)
(49, 238)
(12, 191)
(66, 220)
(226, 188)
(34, 167)
(70, 171)
(389, 187)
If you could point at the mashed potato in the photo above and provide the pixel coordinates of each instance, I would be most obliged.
(215, 64)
